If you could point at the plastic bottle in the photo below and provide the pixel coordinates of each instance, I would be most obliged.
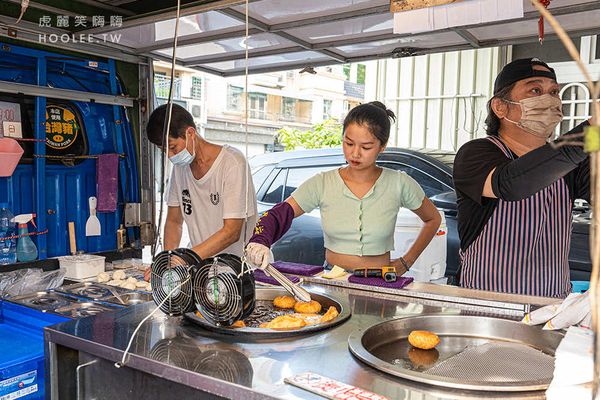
(8, 248)
(26, 249)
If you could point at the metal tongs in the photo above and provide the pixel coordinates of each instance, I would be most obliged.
(298, 292)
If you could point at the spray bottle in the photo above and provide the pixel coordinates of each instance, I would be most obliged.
(26, 249)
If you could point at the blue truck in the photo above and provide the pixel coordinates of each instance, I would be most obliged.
(71, 109)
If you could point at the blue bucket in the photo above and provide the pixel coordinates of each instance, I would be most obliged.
(580, 286)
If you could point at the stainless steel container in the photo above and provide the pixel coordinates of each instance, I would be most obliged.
(476, 353)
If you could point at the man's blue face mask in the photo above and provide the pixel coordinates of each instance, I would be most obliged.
(184, 157)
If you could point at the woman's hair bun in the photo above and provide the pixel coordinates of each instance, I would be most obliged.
(389, 112)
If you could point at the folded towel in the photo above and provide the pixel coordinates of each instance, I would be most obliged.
(399, 284)
(107, 178)
(260, 276)
(297, 269)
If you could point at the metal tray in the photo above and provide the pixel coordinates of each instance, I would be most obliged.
(106, 293)
(130, 298)
(90, 290)
(264, 311)
(475, 353)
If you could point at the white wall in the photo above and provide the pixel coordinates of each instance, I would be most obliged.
(439, 99)
(253, 149)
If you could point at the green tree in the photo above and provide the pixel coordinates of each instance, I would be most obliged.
(360, 74)
(324, 134)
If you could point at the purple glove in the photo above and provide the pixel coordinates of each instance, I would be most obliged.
(273, 224)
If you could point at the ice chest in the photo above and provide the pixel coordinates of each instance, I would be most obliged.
(22, 355)
(82, 266)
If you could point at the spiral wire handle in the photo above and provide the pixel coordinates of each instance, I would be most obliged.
(223, 289)
(171, 281)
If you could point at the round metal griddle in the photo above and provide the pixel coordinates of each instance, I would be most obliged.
(264, 311)
(475, 353)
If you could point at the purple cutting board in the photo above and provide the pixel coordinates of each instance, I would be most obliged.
(260, 276)
(399, 284)
(297, 269)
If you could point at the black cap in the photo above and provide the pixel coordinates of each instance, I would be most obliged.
(521, 69)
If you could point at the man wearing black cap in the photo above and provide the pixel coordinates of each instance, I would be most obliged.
(516, 191)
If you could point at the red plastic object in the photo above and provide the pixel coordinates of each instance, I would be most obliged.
(10, 154)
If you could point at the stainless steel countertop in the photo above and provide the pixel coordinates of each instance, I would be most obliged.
(258, 368)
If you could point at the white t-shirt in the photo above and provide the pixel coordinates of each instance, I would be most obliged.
(220, 194)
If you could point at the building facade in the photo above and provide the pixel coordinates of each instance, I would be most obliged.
(295, 99)
(441, 99)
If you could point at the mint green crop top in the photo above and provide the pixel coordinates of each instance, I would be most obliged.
(362, 227)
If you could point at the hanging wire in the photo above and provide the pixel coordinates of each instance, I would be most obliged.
(69, 157)
(137, 328)
(23, 235)
(27, 139)
(244, 226)
(166, 128)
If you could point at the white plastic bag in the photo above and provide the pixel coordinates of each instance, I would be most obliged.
(24, 281)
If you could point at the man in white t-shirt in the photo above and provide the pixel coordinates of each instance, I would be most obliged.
(210, 188)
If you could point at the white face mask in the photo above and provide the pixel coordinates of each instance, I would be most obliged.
(539, 115)
(184, 157)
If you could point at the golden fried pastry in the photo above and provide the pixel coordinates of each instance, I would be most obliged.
(238, 324)
(264, 325)
(330, 315)
(312, 307)
(310, 319)
(284, 302)
(286, 322)
(423, 358)
(423, 339)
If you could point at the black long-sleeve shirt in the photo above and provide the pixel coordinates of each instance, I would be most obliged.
(514, 179)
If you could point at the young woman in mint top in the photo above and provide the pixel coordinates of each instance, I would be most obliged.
(359, 203)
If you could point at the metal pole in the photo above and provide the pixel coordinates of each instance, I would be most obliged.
(39, 163)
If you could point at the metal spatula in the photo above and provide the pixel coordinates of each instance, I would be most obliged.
(92, 226)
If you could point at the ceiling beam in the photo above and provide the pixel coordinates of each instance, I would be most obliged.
(385, 9)
(107, 7)
(364, 39)
(421, 51)
(180, 62)
(311, 21)
(240, 55)
(344, 16)
(199, 38)
(193, 8)
(534, 38)
(261, 25)
(204, 37)
(388, 36)
(468, 37)
(279, 67)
